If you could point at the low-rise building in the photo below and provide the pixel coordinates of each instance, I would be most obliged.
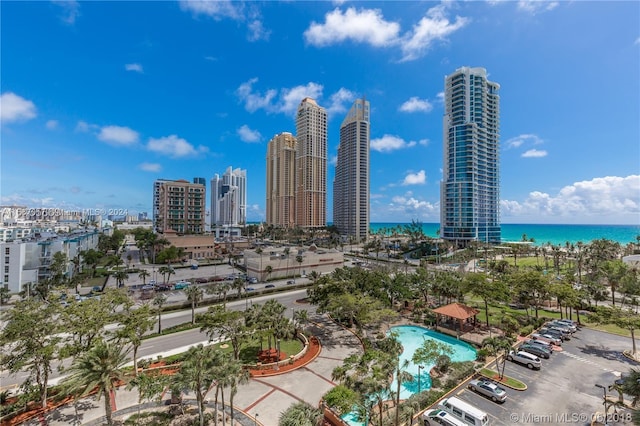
(284, 262)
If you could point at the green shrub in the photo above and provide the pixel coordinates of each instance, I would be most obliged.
(341, 398)
(525, 331)
(482, 354)
(443, 362)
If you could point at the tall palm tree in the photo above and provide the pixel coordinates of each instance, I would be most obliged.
(159, 301)
(143, 276)
(268, 270)
(236, 375)
(194, 295)
(120, 276)
(299, 259)
(100, 368)
(499, 347)
(198, 372)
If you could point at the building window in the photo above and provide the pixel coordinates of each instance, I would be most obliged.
(7, 250)
(6, 269)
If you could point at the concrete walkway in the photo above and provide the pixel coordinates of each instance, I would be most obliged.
(262, 399)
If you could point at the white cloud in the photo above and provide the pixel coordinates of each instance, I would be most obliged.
(286, 100)
(255, 101)
(440, 97)
(248, 135)
(362, 26)
(610, 199)
(71, 9)
(407, 206)
(174, 147)
(339, 100)
(83, 126)
(150, 167)
(534, 153)
(529, 139)
(368, 26)
(290, 98)
(134, 67)
(257, 31)
(389, 143)
(214, 9)
(419, 178)
(52, 124)
(536, 6)
(333, 161)
(415, 104)
(118, 135)
(433, 26)
(15, 108)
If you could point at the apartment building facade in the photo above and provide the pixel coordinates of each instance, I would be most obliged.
(179, 205)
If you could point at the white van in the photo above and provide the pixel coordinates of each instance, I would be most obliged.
(461, 410)
(440, 417)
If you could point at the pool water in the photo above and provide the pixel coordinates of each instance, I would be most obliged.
(411, 338)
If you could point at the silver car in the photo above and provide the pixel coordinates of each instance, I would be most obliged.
(488, 389)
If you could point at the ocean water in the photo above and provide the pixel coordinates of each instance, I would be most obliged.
(543, 234)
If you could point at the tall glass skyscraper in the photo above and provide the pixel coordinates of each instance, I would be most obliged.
(229, 198)
(470, 189)
(311, 164)
(351, 182)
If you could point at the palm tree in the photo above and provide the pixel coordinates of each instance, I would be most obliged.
(159, 301)
(135, 324)
(238, 284)
(120, 276)
(300, 318)
(101, 368)
(198, 372)
(143, 276)
(301, 414)
(164, 271)
(499, 347)
(268, 270)
(299, 259)
(259, 252)
(236, 375)
(194, 295)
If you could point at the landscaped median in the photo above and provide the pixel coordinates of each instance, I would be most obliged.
(507, 381)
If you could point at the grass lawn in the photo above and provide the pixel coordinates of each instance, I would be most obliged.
(506, 380)
(495, 312)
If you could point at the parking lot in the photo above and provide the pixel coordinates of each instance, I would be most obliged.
(564, 390)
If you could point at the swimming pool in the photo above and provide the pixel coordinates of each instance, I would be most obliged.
(411, 338)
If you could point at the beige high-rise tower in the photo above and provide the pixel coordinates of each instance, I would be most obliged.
(311, 164)
(281, 180)
(179, 205)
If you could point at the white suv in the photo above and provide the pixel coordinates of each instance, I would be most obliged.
(525, 358)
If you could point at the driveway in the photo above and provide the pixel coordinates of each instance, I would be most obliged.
(564, 390)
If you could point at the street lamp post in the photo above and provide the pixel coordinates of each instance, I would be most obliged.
(420, 367)
(604, 396)
(255, 420)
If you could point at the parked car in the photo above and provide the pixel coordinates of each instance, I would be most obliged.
(488, 389)
(569, 322)
(547, 338)
(249, 289)
(152, 282)
(269, 286)
(525, 358)
(545, 345)
(568, 327)
(536, 350)
(440, 417)
(291, 282)
(96, 289)
(202, 280)
(163, 287)
(561, 334)
(181, 285)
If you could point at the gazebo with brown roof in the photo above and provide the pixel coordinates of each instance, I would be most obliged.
(457, 311)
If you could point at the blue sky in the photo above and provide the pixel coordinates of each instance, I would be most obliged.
(99, 99)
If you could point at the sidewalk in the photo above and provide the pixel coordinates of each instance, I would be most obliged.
(263, 398)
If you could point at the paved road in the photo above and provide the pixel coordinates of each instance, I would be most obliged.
(564, 389)
(164, 344)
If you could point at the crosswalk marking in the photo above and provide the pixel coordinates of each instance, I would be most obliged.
(585, 360)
